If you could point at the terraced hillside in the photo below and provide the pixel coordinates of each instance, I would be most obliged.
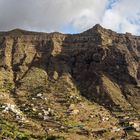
(73, 87)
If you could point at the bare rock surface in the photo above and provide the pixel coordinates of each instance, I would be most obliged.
(77, 86)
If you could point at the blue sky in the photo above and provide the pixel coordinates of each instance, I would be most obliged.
(111, 3)
(70, 16)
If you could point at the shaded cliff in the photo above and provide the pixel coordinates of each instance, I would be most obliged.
(57, 81)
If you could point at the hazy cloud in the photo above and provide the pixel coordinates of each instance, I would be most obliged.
(70, 15)
(123, 16)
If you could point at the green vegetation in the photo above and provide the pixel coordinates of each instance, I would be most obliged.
(10, 130)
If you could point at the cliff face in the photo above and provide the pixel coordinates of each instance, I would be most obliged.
(84, 74)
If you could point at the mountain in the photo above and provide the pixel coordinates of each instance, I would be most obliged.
(69, 86)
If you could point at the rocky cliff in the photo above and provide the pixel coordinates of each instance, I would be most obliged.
(76, 86)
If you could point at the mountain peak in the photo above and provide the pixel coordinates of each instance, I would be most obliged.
(95, 29)
(17, 30)
(97, 26)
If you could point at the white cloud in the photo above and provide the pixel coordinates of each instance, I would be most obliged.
(123, 16)
(55, 15)
(48, 15)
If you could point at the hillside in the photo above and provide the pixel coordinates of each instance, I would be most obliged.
(73, 87)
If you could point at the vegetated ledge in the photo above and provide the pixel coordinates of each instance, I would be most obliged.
(78, 85)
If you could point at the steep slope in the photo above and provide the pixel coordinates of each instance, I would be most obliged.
(76, 86)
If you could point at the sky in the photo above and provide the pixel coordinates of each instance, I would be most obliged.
(70, 16)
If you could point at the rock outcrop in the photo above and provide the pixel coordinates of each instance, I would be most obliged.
(97, 71)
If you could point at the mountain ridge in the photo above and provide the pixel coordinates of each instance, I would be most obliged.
(95, 27)
(76, 86)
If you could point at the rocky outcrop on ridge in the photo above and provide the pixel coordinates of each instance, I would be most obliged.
(54, 83)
